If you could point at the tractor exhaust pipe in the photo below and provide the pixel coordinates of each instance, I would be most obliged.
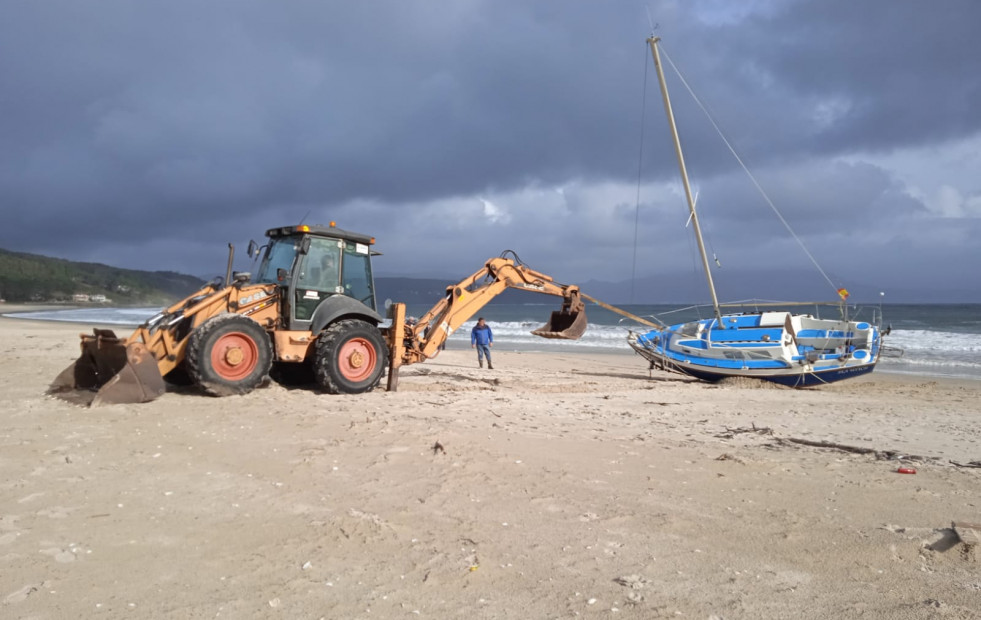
(231, 259)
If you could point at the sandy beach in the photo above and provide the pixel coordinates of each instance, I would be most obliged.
(562, 486)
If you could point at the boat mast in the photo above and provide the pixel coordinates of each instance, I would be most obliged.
(684, 176)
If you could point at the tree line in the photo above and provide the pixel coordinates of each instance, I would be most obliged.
(33, 278)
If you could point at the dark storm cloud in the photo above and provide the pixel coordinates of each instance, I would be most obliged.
(172, 127)
(178, 107)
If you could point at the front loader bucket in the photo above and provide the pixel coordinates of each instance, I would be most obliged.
(564, 325)
(109, 371)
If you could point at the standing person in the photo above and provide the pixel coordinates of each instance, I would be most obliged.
(482, 339)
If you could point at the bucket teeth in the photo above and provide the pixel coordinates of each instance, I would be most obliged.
(109, 371)
(139, 381)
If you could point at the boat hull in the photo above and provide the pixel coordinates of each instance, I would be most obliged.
(792, 350)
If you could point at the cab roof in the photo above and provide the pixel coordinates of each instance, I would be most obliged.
(319, 230)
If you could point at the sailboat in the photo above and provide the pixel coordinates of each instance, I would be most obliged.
(781, 346)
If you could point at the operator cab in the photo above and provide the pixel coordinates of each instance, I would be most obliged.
(315, 263)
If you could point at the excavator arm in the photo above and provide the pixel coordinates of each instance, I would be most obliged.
(412, 343)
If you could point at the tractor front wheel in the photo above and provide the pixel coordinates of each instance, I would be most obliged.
(351, 357)
(228, 354)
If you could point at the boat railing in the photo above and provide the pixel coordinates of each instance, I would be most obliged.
(848, 312)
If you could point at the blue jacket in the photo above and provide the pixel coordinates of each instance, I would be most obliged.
(481, 335)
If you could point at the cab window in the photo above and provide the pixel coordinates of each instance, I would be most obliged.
(320, 268)
(357, 274)
(280, 255)
(318, 277)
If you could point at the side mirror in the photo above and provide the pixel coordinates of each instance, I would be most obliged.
(305, 245)
(253, 249)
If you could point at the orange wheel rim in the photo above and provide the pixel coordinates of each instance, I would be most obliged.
(357, 359)
(234, 356)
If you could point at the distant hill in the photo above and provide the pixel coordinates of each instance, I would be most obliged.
(30, 277)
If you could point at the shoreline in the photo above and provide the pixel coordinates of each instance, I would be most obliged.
(120, 328)
(11, 308)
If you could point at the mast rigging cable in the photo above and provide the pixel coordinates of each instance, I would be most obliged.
(752, 178)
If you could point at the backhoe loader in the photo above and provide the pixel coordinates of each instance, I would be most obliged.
(312, 305)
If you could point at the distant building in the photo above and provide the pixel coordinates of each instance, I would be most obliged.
(99, 299)
(80, 297)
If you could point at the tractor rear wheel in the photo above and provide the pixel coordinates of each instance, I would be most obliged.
(350, 357)
(228, 354)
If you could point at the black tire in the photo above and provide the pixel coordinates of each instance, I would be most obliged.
(350, 358)
(228, 354)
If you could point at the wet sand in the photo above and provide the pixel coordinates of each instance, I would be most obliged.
(568, 485)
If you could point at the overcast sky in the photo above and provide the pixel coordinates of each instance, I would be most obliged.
(149, 134)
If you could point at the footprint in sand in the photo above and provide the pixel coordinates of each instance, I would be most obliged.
(63, 556)
(21, 595)
(9, 529)
(55, 512)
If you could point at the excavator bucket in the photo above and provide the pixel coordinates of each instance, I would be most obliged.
(564, 325)
(109, 371)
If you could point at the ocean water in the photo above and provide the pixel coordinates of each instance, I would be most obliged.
(938, 340)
